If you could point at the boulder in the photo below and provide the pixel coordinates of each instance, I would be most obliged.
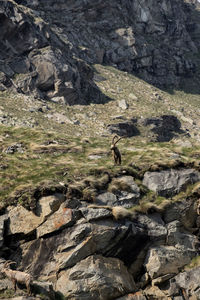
(96, 277)
(170, 182)
(189, 281)
(184, 211)
(91, 214)
(63, 217)
(126, 128)
(178, 238)
(22, 220)
(43, 257)
(167, 260)
(125, 193)
(48, 205)
(153, 225)
(163, 128)
(106, 199)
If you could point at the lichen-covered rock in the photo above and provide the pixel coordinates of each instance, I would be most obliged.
(96, 278)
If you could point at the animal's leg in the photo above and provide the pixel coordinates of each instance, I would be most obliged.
(14, 284)
(28, 288)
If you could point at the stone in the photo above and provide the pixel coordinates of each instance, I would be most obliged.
(166, 260)
(170, 182)
(153, 225)
(189, 281)
(95, 214)
(126, 129)
(62, 218)
(60, 118)
(179, 239)
(132, 96)
(123, 104)
(46, 206)
(22, 220)
(106, 199)
(126, 190)
(96, 277)
(17, 147)
(163, 128)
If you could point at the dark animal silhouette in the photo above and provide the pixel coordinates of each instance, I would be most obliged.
(115, 151)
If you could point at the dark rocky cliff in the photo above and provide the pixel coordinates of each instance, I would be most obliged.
(48, 47)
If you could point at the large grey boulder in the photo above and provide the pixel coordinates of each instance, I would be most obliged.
(96, 278)
(170, 182)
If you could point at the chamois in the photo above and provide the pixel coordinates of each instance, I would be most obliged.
(115, 151)
(16, 276)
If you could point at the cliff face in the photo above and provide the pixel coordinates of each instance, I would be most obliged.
(48, 47)
(75, 251)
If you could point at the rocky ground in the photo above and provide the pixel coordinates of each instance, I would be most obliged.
(68, 83)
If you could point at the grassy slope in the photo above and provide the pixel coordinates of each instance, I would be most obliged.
(69, 153)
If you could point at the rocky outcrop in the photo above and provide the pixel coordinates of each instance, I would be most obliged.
(78, 251)
(126, 129)
(47, 46)
(162, 129)
(36, 61)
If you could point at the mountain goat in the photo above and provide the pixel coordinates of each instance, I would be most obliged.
(16, 276)
(115, 151)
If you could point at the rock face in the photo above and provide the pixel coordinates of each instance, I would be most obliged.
(76, 251)
(47, 46)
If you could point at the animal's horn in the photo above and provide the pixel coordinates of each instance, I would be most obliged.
(8, 263)
(115, 136)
